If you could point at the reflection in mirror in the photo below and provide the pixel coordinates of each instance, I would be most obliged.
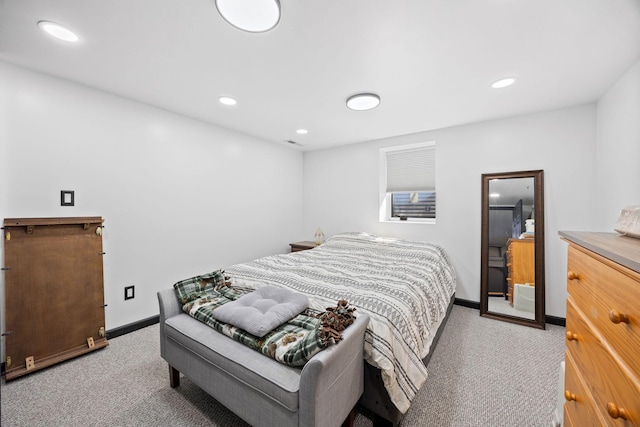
(511, 247)
(512, 271)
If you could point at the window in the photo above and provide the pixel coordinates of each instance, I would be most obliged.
(414, 204)
(407, 184)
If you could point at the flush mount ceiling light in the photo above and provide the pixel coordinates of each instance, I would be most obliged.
(254, 16)
(363, 101)
(504, 83)
(302, 131)
(58, 31)
(227, 100)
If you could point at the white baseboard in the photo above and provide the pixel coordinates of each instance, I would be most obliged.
(558, 420)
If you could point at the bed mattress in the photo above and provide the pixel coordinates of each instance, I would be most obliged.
(405, 287)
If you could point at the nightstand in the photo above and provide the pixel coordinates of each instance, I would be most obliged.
(302, 246)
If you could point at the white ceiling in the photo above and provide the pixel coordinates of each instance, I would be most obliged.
(431, 61)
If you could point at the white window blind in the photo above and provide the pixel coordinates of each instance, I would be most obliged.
(411, 169)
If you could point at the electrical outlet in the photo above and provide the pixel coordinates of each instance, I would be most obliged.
(129, 292)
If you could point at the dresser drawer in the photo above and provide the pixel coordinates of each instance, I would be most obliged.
(609, 381)
(579, 407)
(601, 291)
(568, 421)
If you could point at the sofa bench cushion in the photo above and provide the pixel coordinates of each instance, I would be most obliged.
(278, 381)
(262, 310)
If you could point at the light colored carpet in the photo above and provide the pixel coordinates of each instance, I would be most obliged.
(483, 373)
(501, 305)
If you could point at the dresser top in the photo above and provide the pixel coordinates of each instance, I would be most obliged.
(621, 249)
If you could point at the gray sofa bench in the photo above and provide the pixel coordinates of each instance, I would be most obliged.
(257, 388)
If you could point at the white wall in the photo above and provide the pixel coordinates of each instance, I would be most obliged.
(173, 190)
(618, 148)
(179, 197)
(341, 187)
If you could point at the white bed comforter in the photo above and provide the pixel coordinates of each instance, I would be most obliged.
(405, 287)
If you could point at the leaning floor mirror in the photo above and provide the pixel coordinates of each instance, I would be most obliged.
(512, 253)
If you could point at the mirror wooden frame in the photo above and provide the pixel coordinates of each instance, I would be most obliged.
(538, 179)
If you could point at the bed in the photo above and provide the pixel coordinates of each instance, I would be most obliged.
(407, 289)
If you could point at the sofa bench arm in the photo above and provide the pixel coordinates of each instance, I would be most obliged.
(169, 307)
(333, 380)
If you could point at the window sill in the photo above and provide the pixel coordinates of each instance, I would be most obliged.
(409, 221)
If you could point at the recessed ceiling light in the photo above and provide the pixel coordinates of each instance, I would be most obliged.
(503, 83)
(58, 31)
(363, 101)
(302, 131)
(494, 195)
(254, 16)
(227, 100)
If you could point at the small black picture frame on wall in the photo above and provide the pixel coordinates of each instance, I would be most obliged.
(67, 198)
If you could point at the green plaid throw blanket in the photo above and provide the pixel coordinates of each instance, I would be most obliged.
(292, 343)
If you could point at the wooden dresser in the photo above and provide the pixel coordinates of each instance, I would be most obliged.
(520, 263)
(602, 375)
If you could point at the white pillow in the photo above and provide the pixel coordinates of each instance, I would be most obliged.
(262, 310)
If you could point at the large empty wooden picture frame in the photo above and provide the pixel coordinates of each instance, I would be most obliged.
(54, 293)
